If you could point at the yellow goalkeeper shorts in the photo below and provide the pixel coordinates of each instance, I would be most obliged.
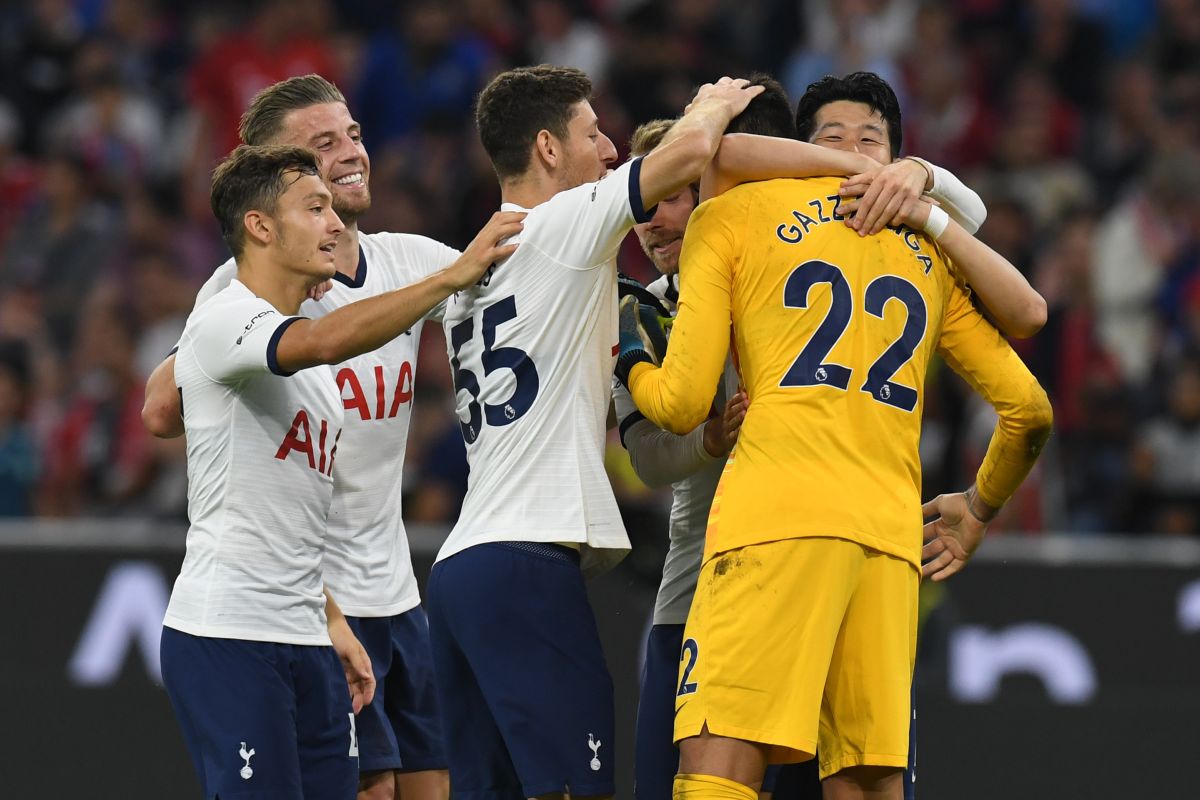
(805, 645)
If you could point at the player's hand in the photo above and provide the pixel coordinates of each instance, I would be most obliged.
(320, 290)
(735, 93)
(355, 662)
(485, 249)
(641, 328)
(951, 538)
(886, 195)
(721, 432)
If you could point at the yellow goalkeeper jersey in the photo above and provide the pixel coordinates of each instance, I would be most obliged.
(833, 334)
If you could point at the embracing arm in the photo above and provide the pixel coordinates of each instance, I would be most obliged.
(962, 203)
(366, 325)
(693, 141)
(660, 458)
(745, 157)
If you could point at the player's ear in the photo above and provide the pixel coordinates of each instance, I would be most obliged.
(547, 148)
(259, 226)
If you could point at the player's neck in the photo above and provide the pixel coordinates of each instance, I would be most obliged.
(283, 288)
(345, 256)
(532, 188)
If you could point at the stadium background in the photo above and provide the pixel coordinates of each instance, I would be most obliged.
(1063, 663)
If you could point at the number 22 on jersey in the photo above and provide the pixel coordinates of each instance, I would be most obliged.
(811, 368)
(492, 359)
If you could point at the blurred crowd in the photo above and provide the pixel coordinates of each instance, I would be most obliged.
(1077, 121)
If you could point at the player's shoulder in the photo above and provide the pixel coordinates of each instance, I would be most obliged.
(409, 256)
(232, 303)
(401, 243)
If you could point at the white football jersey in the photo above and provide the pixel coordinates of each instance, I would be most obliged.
(532, 348)
(691, 497)
(368, 565)
(260, 456)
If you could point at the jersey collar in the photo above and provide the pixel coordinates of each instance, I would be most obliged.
(360, 276)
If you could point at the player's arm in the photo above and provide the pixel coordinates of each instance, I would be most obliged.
(745, 157)
(360, 677)
(162, 412)
(368, 324)
(977, 352)
(677, 396)
(692, 141)
(661, 458)
(1016, 306)
(884, 195)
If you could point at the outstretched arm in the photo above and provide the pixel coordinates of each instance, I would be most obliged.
(366, 325)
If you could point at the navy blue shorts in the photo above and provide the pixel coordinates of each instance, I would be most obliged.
(526, 697)
(262, 721)
(400, 729)
(657, 759)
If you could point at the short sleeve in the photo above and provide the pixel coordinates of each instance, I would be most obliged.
(583, 227)
(237, 339)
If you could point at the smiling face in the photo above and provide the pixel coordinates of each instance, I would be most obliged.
(662, 237)
(329, 131)
(586, 151)
(306, 228)
(847, 125)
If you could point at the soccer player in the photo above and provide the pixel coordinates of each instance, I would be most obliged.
(368, 565)
(692, 463)
(246, 654)
(816, 517)
(525, 692)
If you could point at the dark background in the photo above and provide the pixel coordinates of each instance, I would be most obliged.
(1134, 737)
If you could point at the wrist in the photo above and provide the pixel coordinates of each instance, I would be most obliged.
(936, 222)
(929, 177)
(977, 508)
(713, 444)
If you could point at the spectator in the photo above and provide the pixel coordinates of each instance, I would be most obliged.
(18, 454)
(1166, 459)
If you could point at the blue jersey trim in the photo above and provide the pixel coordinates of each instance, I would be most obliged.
(640, 213)
(360, 276)
(273, 346)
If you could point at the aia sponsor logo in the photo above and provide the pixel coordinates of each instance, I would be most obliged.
(309, 439)
(374, 394)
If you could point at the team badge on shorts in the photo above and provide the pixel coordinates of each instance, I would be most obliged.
(595, 745)
(246, 772)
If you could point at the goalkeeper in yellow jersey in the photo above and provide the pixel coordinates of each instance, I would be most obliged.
(802, 631)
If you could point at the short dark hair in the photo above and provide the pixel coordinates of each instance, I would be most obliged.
(520, 103)
(857, 87)
(263, 120)
(253, 178)
(769, 114)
